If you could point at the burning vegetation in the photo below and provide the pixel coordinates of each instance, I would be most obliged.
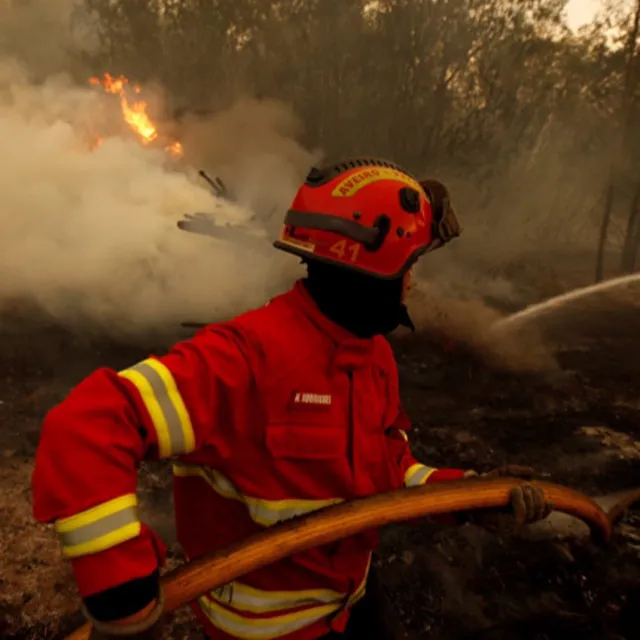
(134, 113)
(527, 129)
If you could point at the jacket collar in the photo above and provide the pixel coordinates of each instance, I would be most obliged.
(352, 352)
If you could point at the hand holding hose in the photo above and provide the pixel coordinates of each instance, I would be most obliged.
(283, 540)
(527, 501)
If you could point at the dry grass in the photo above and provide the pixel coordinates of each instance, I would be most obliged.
(36, 587)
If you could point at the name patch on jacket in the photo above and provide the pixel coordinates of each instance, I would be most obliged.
(311, 401)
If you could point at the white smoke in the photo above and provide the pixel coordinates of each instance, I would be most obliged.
(90, 236)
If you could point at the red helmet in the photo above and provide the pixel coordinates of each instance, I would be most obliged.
(368, 215)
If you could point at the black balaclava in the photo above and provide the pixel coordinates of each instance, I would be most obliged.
(364, 305)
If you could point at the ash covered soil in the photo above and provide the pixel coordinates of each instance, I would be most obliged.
(579, 427)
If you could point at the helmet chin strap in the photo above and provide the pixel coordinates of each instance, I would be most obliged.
(363, 305)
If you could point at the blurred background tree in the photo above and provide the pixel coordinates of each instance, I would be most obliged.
(538, 125)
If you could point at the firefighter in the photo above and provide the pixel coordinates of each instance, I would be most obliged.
(281, 411)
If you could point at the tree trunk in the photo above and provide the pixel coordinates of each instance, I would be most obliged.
(604, 228)
(626, 116)
(635, 243)
(630, 249)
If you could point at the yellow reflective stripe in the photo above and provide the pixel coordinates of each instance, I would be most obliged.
(401, 432)
(245, 598)
(357, 595)
(263, 512)
(417, 474)
(361, 590)
(99, 528)
(164, 403)
(262, 628)
(242, 597)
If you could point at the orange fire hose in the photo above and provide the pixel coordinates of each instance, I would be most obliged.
(192, 580)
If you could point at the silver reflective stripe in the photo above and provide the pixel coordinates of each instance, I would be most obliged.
(264, 512)
(245, 598)
(94, 530)
(242, 597)
(239, 597)
(100, 527)
(417, 475)
(161, 393)
(262, 628)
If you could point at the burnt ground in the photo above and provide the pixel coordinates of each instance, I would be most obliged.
(581, 429)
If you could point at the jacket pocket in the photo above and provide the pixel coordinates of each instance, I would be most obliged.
(306, 441)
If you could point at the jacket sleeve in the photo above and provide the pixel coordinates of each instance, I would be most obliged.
(413, 473)
(92, 444)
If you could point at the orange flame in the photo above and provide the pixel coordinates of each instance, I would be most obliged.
(175, 149)
(134, 112)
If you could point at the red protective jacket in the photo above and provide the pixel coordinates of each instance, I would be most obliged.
(276, 413)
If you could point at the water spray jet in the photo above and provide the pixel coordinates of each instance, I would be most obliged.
(558, 302)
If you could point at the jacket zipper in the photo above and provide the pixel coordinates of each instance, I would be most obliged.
(351, 434)
(351, 459)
